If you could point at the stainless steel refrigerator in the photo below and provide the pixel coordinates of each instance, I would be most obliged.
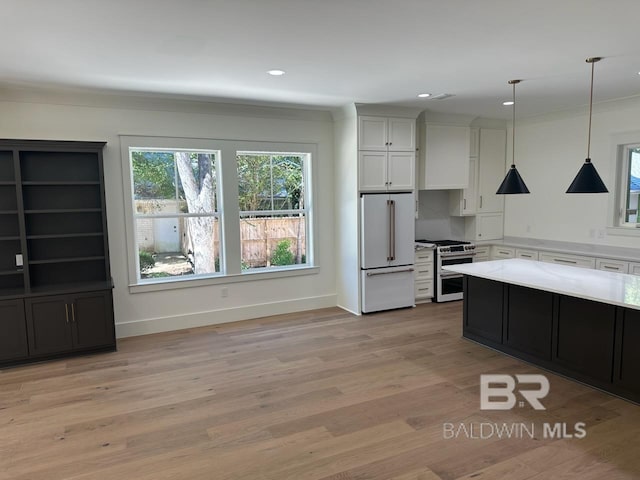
(387, 251)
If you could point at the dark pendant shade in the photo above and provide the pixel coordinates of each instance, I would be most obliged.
(512, 183)
(587, 180)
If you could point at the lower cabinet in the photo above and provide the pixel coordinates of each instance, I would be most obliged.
(67, 323)
(593, 342)
(13, 332)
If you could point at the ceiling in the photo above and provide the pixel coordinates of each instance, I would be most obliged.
(335, 52)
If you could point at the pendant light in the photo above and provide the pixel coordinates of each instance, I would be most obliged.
(587, 180)
(513, 182)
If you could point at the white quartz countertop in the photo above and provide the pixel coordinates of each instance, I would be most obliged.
(606, 287)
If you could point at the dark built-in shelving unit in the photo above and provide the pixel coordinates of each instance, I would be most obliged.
(52, 214)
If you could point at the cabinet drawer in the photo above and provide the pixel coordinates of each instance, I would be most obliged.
(424, 289)
(617, 266)
(526, 254)
(568, 260)
(498, 252)
(482, 253)
(423, 271)
(424, 256)
(634, 268)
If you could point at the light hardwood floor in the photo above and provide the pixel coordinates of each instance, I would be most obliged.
(316, 395)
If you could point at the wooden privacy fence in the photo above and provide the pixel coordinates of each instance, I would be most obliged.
(259, 238)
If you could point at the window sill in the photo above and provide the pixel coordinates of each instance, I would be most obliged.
(624, 231)
(177, 283)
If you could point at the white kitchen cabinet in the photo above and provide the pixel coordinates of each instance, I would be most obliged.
(499, 252)
(484, 226)
(474, 144)
(423, 275)
(386, 134)
(569, 260)
(527, 254)
(608, 265)
(444, 157)
(491, 169)
(386, 171)
(634, 268)
(464, 202)
(482, 253)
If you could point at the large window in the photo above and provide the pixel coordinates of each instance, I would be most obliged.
(273, 209)
(177, 222)
(216, 211)
(630, 186)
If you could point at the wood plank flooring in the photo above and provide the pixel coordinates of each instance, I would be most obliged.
(320, 395)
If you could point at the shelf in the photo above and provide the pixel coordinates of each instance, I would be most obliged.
(57, 183)
(8, 212)
(6, 183)
(64, 210)
(11, 272)
(61, 235)
(7, 293)
(42, 290)
(4, 239)
(65, 260)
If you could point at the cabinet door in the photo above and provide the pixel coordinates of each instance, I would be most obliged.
(470, 194)
(13, 330)
(372, 171)
(491, 169)
(401, 171)
(634, 268)
(627, 369)
(402, 134)
(475, 142)
(483, 308)
(489, 226)
(49, 325)
(612, 265)
(372, 133)
(445, 158)
(92, 319)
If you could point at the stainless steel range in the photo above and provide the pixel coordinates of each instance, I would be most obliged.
(448, 285)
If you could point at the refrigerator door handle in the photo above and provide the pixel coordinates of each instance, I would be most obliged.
(373, 274)
(389, 251)
(393, 230)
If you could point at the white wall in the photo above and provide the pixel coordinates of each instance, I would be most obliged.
(549, 152)
(65, 116)
(346, 192)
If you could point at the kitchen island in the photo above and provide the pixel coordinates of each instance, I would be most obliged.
(581, 323)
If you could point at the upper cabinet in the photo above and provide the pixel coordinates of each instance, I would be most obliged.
(386, 154)
(486, 171)
(491, 169)
(444, 157)
(386, 134)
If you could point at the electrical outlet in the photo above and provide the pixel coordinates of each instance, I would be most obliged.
(601, 233)
(19, 261)
(224, 292)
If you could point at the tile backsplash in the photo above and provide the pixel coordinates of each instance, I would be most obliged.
(435, 222)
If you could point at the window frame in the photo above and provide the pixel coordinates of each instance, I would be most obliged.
(624, 182)
(620, 142)
(306, 211)
(227, 210)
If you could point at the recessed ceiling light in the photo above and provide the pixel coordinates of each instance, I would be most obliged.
(276, 72)
(424, 95)
(507, 103)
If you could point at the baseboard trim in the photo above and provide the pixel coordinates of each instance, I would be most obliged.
(147, 326)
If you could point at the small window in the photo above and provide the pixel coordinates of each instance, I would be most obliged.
(630, 186)
(176, 215)
(273, 200)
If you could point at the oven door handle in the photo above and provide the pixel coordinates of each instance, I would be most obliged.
(457, 255)
(450, 275)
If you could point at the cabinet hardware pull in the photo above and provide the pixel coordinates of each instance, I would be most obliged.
(561, 260)
(464, 204)
(66, 311)
(480, 201)
(610, 267)
(73, 312)
(525, 255)
(375, 274)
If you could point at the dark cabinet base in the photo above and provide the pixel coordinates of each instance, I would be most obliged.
(592, 342)
(44, 327)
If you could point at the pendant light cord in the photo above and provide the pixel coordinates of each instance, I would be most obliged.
(513, 129)
(590, 113)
